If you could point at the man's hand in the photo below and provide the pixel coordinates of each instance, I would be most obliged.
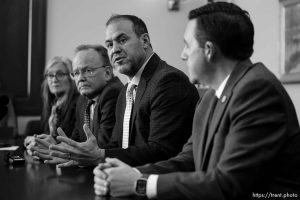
(28, 140)
(41, 147)
(40, 152)
(47, 138)
(38, 145)
(120, 178)
(48, 159)
(45, 155)
(84, 153)
(101, 185)
(61, 162)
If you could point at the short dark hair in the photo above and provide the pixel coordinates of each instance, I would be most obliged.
(139, 25)
(101, 50)
(228, 26)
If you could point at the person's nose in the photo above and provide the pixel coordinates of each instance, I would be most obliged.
(116, 48)
(183, 55)
(81, 77)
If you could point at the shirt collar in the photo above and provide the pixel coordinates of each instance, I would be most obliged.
(96, 99)
(220, 89)
(137, 77)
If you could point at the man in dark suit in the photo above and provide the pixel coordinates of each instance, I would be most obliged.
(103, 116)
(155, 109)
(102, 88)
(94, 78)
(245, 142)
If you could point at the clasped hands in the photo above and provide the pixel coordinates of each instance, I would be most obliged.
(115, 178)
(68, 152)
(30, 143)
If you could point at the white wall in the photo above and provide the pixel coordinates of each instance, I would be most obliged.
(265, 15)
(74, 22)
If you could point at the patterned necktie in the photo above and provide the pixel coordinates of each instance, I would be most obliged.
(87, 113)
(54, 119)
(127, 115)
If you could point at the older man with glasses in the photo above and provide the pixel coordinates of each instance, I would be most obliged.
(99, 89)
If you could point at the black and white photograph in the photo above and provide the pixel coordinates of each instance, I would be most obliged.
(149, 99)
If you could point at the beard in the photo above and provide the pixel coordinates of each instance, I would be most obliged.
(127, 69)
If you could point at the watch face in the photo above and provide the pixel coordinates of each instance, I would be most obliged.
(141, 185)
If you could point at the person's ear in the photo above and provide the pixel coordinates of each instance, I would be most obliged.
(209, 51)
(107, 73)
(145, 39)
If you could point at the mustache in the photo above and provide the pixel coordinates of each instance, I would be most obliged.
(82, 83)
(117, 56)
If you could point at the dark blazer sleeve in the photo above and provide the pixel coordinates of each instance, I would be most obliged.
(182, 162)
(163, 123)
(253, 131)
(68, 121)
(79, 115)
(106, 113)
(117, 129)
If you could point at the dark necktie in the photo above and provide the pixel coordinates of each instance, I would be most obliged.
(212, 109)
(212, 106)
(87, 113)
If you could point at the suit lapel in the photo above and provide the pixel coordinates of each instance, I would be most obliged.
(95, 119)
(200, 124)
(238, 72)
(148, 72)
(214, 123)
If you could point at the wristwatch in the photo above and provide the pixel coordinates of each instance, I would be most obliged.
(140, 185)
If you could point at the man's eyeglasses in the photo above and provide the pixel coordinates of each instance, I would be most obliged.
(86, 72)
(59, 76)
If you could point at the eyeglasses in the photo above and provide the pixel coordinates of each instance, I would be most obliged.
(86, 72)
(59, 76)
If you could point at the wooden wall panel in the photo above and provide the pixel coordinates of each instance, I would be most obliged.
(20, 81)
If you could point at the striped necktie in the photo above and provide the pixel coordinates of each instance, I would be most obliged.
(127, 115)
(87, 113)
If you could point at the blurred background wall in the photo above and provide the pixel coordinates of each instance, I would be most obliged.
(73, 22)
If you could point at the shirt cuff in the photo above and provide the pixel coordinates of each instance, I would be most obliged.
(151, 188)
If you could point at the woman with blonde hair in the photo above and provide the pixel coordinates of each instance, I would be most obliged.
(59, 95)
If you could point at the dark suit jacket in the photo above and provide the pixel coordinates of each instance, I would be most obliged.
(162, 116)
(104, 113)
(66, 122)
(251, 147)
